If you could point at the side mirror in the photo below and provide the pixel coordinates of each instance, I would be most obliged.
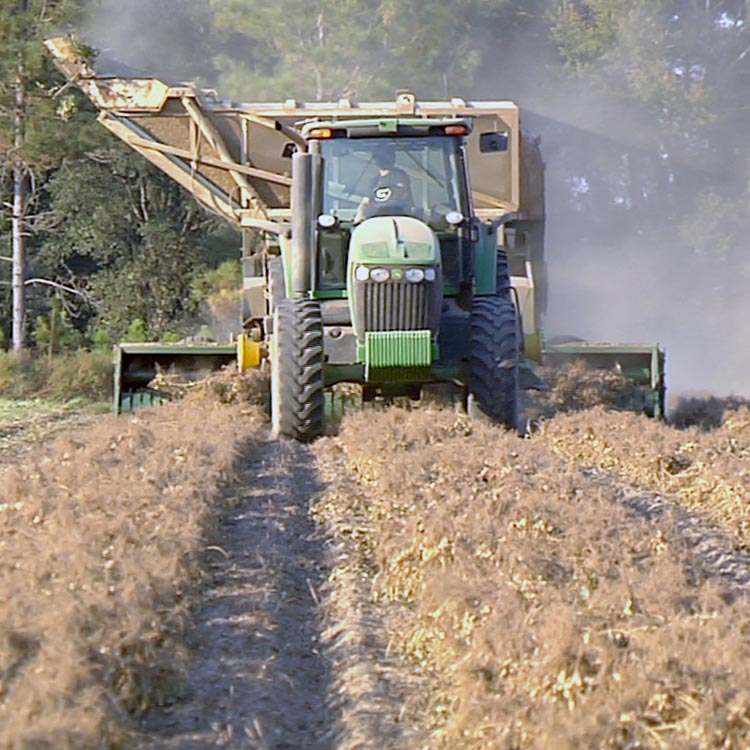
(490, 143)
(289, 150)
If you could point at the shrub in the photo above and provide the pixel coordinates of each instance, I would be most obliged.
(136, 331)
(81, 374)
(20, 376)
(7, 371)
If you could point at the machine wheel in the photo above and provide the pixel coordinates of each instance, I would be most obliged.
(503, 288)
(493, 361)
(297, 408)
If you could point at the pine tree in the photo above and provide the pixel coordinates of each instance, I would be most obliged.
(358, 48)
(25, 105)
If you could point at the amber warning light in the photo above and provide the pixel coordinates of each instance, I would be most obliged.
(321, 133)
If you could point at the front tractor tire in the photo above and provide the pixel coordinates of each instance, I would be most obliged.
(297, 403)
(493, 361)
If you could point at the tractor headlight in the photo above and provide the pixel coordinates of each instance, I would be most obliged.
(380, 274)
(415, 275)
(327, 221)
(362, 273)
(429, 274)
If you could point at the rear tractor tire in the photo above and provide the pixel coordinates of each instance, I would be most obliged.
(297, 403)
(493, 389)
(503, 285)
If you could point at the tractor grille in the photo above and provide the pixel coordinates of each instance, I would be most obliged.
(396, 306)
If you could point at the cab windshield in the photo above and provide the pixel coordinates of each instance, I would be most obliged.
(420, 177)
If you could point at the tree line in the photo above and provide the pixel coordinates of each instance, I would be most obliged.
(644, 104)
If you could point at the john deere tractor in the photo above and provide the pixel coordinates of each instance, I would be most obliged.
(393, 245)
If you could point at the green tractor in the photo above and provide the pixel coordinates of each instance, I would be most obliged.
(390, 280)
(394, 245)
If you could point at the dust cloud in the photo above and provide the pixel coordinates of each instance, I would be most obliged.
(169, 38)
(636, 249)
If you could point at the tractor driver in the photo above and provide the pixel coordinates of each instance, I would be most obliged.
(390, 190)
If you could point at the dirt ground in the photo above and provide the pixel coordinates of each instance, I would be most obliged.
(179, 580)
(549, 605)
(259, 678)
(23, 427)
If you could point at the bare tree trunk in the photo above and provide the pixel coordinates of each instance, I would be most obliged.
(19, 231)
(19, 208)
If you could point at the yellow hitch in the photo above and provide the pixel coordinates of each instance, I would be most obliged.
(249, 353)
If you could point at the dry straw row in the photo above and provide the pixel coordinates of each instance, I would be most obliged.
(709, 471)
(543, 613)
(100, 542)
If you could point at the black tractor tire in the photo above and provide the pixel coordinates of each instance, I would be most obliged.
(503, 288)
(493, 389)
(297, 401)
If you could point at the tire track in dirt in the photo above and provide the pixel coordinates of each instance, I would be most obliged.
(259, 678)
(694, 481)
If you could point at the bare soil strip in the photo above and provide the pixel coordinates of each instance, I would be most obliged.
(258, 678)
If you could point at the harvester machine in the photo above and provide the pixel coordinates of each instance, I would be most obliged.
(393, 245)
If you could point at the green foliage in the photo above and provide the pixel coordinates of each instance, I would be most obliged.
(227, 277)
(136, 332)
(135, 253)
(585, 31)
(55, 331)
(355, 48)
(633, 46)
(101, 340)
(81, 374)
(45, 133)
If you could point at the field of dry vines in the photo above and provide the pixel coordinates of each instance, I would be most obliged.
(100, 536)
(538, 611)
(482, 591)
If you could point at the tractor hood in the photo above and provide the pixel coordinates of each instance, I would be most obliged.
(394, 276)
(398, 240)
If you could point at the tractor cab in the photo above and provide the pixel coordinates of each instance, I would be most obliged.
(390, 168)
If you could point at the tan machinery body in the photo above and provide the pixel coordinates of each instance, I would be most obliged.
(234, 158)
